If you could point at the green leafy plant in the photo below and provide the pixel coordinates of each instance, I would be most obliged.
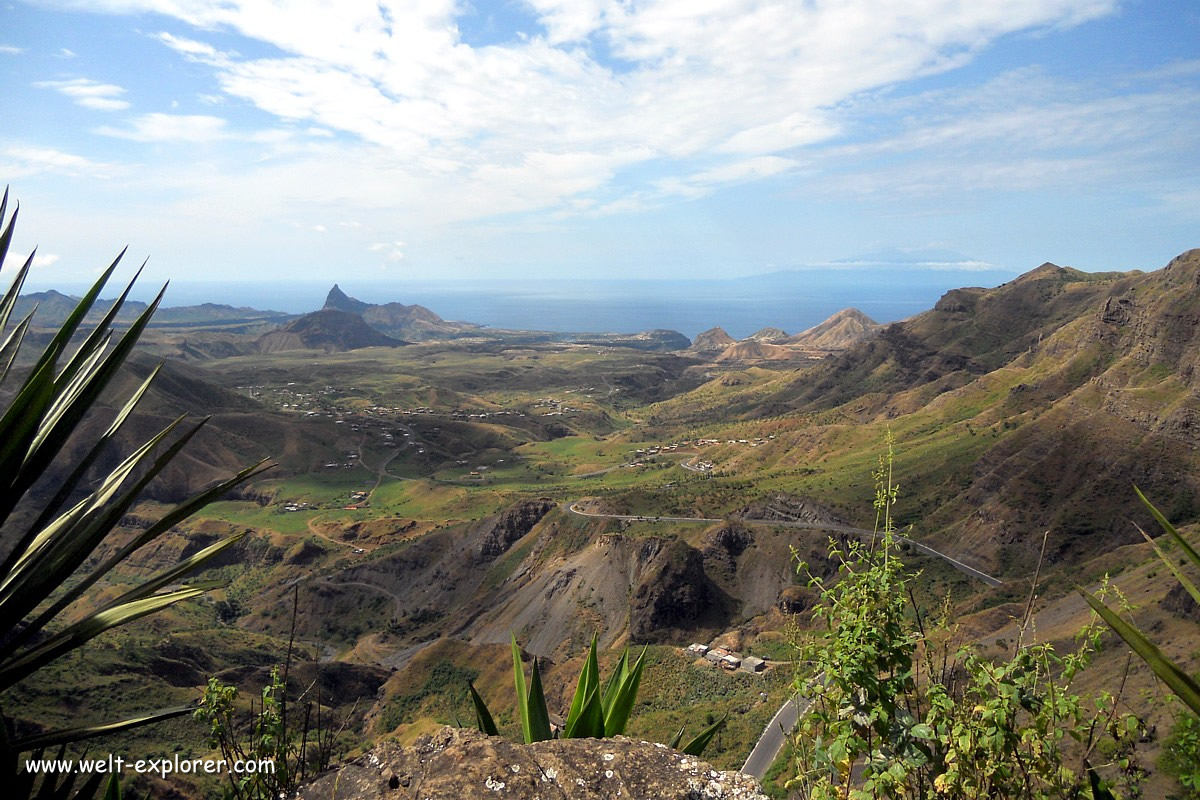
(45, 609)
(596, 711)
(269, 734)
(1181, 755)
(899, 712)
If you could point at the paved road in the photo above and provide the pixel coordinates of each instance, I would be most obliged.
(773, 736)
(816, 526)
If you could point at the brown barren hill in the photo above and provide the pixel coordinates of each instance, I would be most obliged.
(330, 330)
(713, 340)
(839, 332)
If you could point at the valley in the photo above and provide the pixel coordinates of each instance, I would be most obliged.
(439, 486)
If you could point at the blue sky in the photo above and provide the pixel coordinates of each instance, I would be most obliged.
(233, 139)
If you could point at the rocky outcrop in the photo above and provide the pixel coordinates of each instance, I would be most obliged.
(500, 532)
(767, 335)
(456, 764)
(713, 340)
(674, 592)
(722, 546)
(795, 600)
(1181, 604)
(786, 507)
(959, 301)
(1117, 311)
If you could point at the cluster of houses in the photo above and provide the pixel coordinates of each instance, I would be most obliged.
(666, 448)
(755, 442)
(726, 659)
(297, 506)
(558, 408)
(291, 399)
(673, 446)
(357, 501)
(459, 413)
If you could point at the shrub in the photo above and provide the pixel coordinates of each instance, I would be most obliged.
(898, 713)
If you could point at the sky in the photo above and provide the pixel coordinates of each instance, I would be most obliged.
(233, 140)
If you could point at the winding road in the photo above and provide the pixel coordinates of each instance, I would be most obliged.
(815, 526)
(767, 748)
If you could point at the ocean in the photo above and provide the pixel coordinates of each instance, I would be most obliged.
(791, 300)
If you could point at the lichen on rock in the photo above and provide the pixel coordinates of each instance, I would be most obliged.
(461, 764)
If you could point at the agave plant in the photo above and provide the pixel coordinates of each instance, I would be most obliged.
(595, 712)
(45, 608)
(1170, 673)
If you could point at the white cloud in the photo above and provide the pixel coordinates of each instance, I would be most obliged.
(194, 50)
(392, 251)
(65, 53)
(157, 127)
(11, 50)
(40, 260)
(608, 107)
(89, 93)
(19, 161)
(539, 121)
(1022, 131)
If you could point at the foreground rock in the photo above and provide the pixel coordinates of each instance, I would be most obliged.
(458, 763)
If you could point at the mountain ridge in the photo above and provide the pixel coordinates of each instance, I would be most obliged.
(397, 319)
(329, 329)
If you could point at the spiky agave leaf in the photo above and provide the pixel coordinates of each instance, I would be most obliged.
(696, 746)
(531, 702)
(483, 717)
(1167, 671)
(1163, 556)
(176, 515)
(624, 686)
(585, 719)
(43, 414)
(86, 629)
(84, 732)
(60, 548)
(1170, 673)
(1170, 530)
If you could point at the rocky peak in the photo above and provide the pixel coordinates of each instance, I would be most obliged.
(712, 339)
(339, 300)
(1184, 268)
(767, 335)
(959, 301)
(838, 332)
(1041, 272)
(460, 763)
